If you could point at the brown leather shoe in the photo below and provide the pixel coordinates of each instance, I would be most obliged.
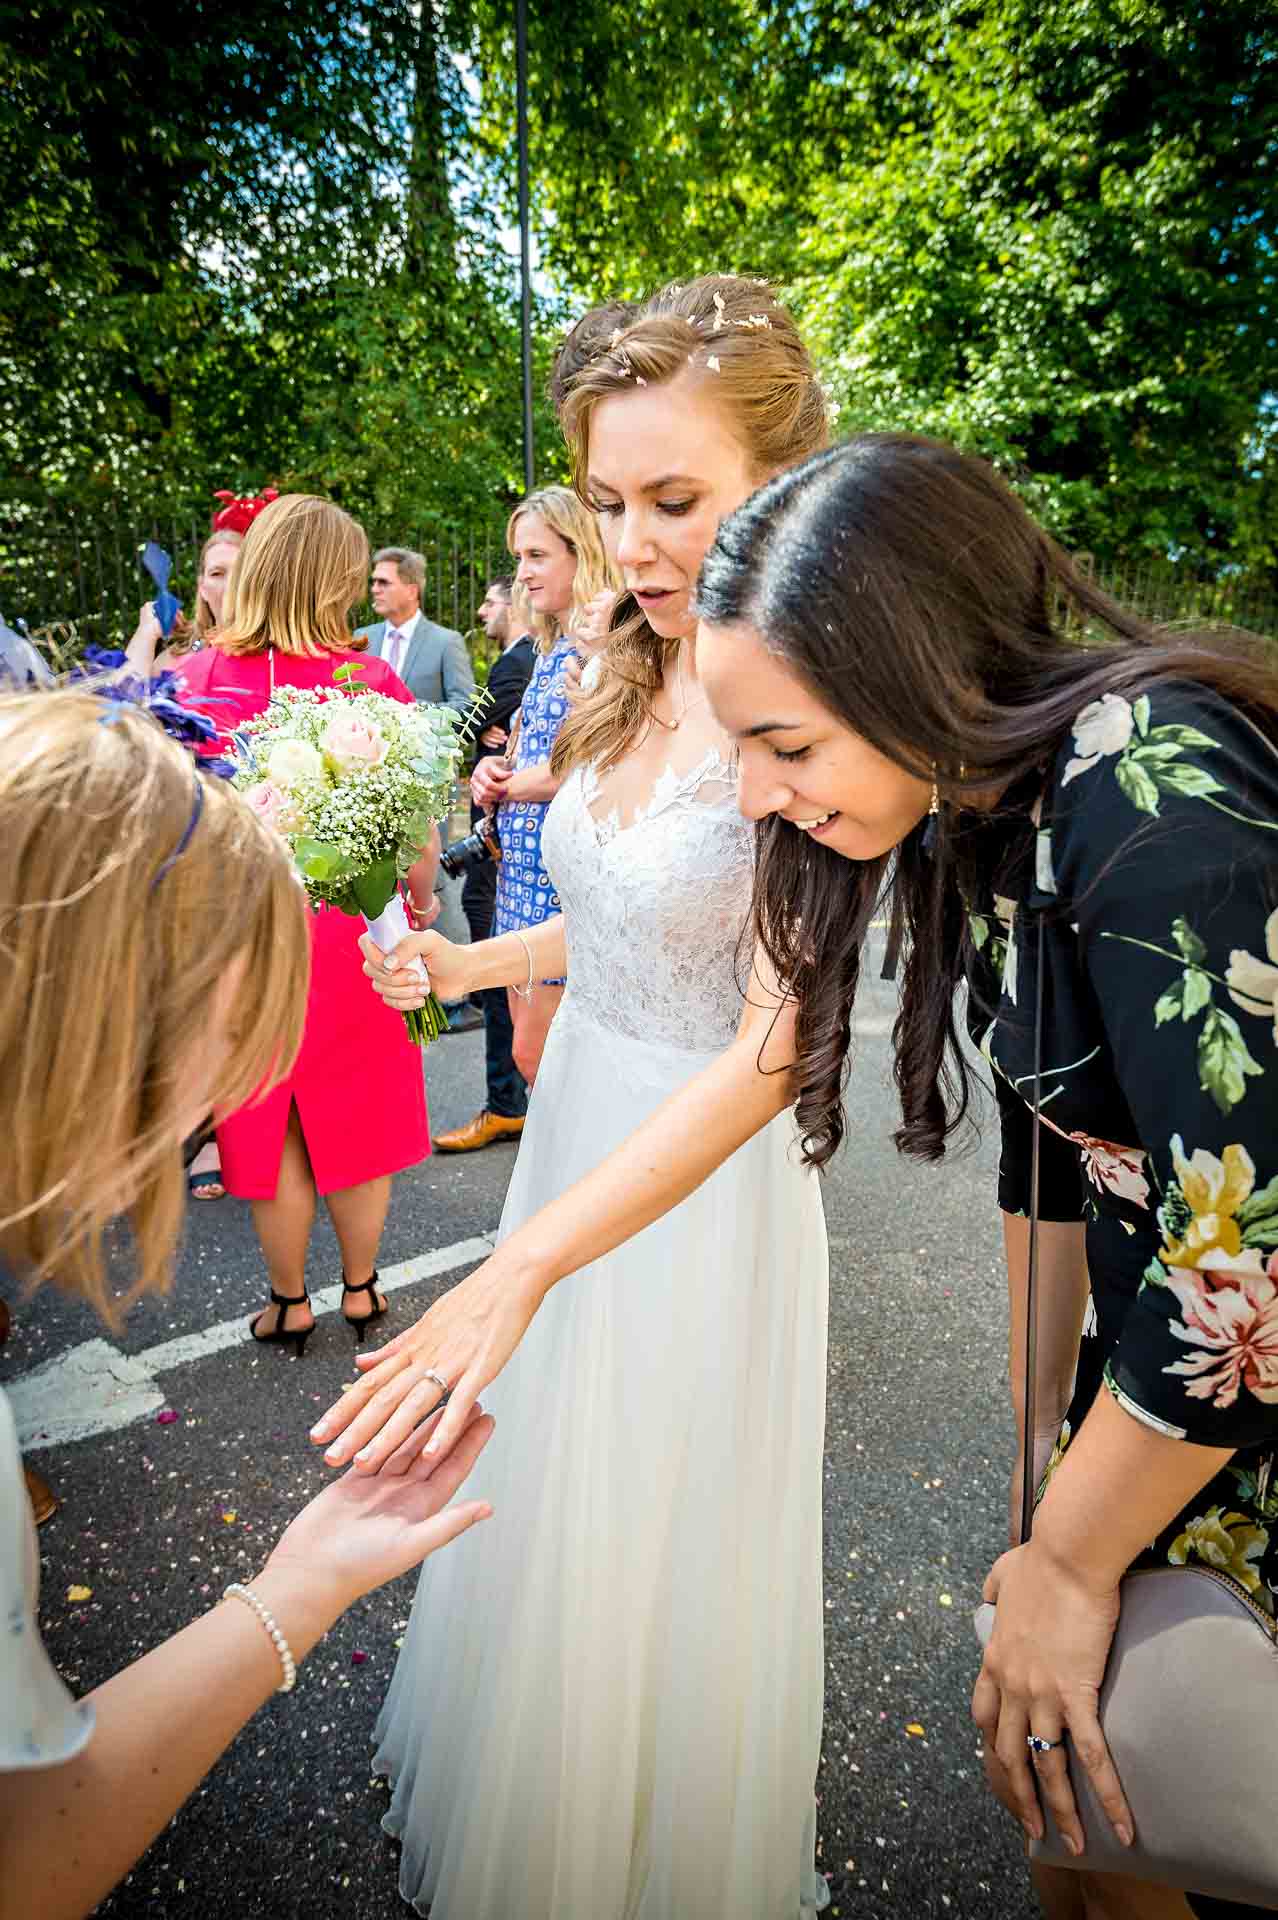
(44, 1502)
(482, 1131)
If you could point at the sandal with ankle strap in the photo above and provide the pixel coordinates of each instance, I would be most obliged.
(362, 1322)
(283, 1333)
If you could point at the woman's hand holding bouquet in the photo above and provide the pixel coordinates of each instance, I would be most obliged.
(354, 782)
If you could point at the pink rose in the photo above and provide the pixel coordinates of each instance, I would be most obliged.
(352, 743)
(267, 803)
(1229, 1309)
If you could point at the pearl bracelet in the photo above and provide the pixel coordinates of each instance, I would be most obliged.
(267, 1618)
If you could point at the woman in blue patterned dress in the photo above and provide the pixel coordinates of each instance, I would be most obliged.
(561, 566)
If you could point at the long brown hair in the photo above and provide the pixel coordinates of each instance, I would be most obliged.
(110, 952)
(301, 570)
(909, 588)
(733, 333)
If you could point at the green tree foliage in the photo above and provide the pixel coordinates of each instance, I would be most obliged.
(236, 248)
(252, 244)
(1045, 232)
(1057, 247)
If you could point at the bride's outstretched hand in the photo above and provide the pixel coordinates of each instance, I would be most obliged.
(464, 1340)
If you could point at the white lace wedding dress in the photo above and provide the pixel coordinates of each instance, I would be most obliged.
(608, 1702)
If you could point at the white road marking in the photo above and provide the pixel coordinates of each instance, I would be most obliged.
(94, 1388)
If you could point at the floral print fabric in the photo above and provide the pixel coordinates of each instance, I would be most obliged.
(525, 894)
(1153, 861)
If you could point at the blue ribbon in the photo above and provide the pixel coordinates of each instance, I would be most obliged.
(159, 566)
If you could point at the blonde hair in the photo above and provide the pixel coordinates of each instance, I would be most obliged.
(568, 516)
(301, 570)
(111, 950)
(734, 335)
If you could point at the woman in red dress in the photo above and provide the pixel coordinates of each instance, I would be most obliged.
(353, 1111)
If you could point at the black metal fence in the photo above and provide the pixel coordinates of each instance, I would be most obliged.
(1164, 593)
(82, 576)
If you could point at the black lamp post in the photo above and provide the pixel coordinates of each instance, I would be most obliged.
(525, 267)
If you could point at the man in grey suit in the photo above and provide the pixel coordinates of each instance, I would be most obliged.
(432, 661)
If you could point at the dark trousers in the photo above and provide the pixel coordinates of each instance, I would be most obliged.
(507, 1090)
(479, 899)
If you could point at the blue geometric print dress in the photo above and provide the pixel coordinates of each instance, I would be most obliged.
(525, 896)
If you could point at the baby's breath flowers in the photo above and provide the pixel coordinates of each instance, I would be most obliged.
(354, 782)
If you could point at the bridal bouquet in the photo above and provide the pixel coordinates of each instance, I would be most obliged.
(354, 782)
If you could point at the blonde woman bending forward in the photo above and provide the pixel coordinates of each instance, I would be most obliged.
(614, 1709)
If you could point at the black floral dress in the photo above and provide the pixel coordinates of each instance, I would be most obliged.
(1152, 854)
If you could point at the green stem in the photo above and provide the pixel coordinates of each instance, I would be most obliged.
(1270, 826)
(426, 1023)
(1129, 939)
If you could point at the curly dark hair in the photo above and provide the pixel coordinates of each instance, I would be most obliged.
(908, 587)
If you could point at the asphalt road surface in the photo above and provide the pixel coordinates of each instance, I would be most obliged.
(158, 1514)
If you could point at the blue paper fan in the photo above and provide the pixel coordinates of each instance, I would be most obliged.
(160, 566)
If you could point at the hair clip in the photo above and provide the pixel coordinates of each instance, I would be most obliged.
(240, 511)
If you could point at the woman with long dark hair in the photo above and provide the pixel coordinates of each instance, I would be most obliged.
(929, 701)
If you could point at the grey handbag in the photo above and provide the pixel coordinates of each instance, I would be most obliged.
(1189, 1704)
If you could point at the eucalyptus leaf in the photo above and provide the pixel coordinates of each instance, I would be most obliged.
(1190, 782)
(1224, 1064)
(1171, 1004)
(1137, 784)
(1188, 943)
(1197, 992)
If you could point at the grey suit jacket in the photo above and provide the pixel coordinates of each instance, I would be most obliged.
(437, 668)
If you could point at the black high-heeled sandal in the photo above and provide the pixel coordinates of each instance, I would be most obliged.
(282, 1333)
(362, 1322)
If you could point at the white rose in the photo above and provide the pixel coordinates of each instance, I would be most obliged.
(1104, 727)
(294, 760)
(1252, 983)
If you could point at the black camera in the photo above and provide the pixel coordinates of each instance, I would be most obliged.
(465, 855)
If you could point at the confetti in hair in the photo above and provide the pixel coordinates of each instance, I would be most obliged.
(712, 361)
(718, 311)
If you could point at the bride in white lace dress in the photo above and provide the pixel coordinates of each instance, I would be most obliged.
(609, 1706)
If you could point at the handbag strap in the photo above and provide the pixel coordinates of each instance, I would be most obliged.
(1028, 1488)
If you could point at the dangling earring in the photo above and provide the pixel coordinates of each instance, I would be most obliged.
(933, 813)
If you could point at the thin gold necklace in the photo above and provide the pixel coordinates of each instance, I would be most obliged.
(686, 705)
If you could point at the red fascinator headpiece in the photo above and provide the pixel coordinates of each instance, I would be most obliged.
(238, 514)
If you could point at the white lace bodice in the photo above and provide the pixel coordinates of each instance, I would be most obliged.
(654, 907)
